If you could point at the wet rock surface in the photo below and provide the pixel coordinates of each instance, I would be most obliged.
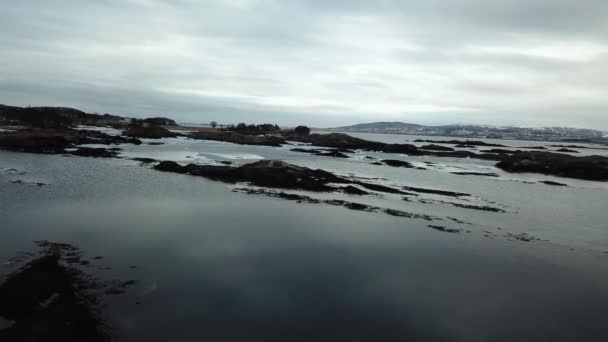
(553, 183)
(49, 299)
(398, 163)
(557, 164)
(152, 132)
(460, 142)
(94, 152)
(53, 141)
(433, 147)
(238, 138)
(485, 174)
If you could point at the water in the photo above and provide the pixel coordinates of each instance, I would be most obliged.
(226, 266)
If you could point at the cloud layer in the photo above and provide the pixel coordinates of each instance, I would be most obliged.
(324, 63)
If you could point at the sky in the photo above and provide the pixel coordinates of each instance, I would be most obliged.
(318, 62)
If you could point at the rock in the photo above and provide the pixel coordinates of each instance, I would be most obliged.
(160, 121)
(145, 160)
(55, 140)
(34, 143)
(376, 163)
(302, 131)
(397, 163)
(444, 229)
(345, 141)
(94, 152)
(488, 174)
(557, 164)
(566, 150)
(238, 138)
(435, 192)
(460, 142)
(553, 183)
(478, 207)
(266, 173)
(434, 147)
(499, 150)
(152, 132)
(351, 190)
(535, 147)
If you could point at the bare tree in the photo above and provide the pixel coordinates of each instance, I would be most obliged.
(213, 124)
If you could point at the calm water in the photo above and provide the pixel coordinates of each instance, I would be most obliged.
(216, 264)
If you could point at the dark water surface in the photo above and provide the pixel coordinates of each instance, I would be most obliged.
(224, 266)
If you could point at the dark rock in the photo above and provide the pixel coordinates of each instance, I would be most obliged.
(435, 192)
(160, 121)
(488, 174)
(397, 163)
(434, 147)
(267, 173)
(376, 163)
(557, 164)
(566, 150)
(553, 183)
(499, 150)
(94, 152)
(478, 207)
(55, 140)
(444, 229)
(145, 160)
(460, 142)
(345, 141)
(152, 132)
(238, 138)
(354, 190)
(31, 142)
(535, 147)
(302, 131)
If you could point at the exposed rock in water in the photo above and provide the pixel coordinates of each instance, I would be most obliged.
(434, 147)
(238, 138)
(49, 300)
(376, 163)
(267, 173)
(273, 174)
(435, 192)
(486, 174)
(460, 142)
(562, 165)
(152, 132)
(145, 160)
(500, 151)
(566, 150)
(56, 141)
(444, 229)
(336, 153)
(160, 121)
(345, 141)
(397, 163)
(535, 147)
(94, 152)
(478, 207)
(553, 183)
(336, 202)
(351, 190)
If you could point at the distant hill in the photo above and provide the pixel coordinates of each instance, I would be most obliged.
(478, 131)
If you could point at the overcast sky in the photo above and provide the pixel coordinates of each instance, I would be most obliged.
(316, 62)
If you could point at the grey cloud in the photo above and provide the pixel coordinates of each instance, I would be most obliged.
(317, 62)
